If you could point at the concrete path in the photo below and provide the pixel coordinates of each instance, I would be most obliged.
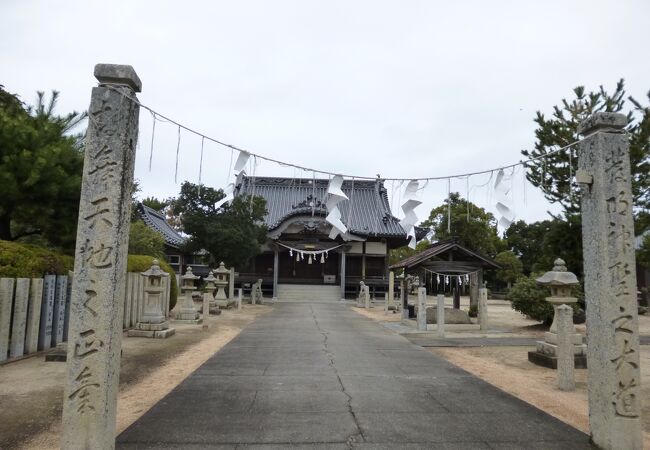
(320, 376)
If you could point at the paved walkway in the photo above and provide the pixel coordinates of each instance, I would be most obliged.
(321, 376)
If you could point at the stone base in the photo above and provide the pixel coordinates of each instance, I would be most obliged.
(551, 349)
(214, 310)
(187, 316)
(143, 326)
(551, 338)
(58, 353)
(189, 321)
(225, 304)
(544, 360)
(161, 334)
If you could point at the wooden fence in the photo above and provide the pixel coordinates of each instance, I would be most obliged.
(34, 312)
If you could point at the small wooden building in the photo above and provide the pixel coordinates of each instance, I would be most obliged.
(447, 266)
(297, 228)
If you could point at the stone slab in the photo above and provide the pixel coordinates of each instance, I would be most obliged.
(551, 338)
(47, 312)
(551, 349)
(33, 315)
(6, 300)
(58, 317)
(19, 322)
(152, 326)
(158, 334)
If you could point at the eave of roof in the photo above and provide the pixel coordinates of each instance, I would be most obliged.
(157, 222)
(438, 248)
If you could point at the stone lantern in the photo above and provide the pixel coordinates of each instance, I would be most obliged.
(188, 313)
(210, 287)
(560, 281)
(221, 281)
(152, 324)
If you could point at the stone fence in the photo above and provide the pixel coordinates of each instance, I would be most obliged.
(34, 312)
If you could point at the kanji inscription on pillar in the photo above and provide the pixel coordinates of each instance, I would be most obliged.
(610, 284)
(95, 330)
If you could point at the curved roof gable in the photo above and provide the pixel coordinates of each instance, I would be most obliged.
(156, 221)
(366, 212)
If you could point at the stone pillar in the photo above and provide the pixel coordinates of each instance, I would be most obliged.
(391, 289)
(366, 296)
(6, 300)
(610, 283)
(17, 347)
(440, 315)
(276, 268)
(363, 260)
(33, 315)
(483, 308)
(405, 298)
(240, 294)
(565, 363)
(343, 276)
(96, 309)
(473, 289)
(455, 292)
(231, 284)
(422, 309)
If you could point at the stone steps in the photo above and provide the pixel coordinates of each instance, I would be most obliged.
(308, 293)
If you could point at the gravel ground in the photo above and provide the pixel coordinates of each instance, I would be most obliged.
(31, 390)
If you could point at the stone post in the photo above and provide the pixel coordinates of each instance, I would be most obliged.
(610, 283)
(483, 308)
(422, 309)
(276, 268)
(405, 298)
(366, 296)
(440, 316)
(96, 309)
(473, 289)
(231, 284)
(342, 276)
(391, 289)
(240, 294)
(565, 362)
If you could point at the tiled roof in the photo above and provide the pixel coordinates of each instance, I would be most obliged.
(156, 221)
(441, 247)
(287, 197)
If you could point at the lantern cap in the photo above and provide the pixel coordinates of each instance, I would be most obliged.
(155, 270)
(222, 269)
(210, 278)
(189, 275)
(559, 276)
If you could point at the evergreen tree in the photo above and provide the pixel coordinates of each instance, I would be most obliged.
(40, 171)
(552, 174)
(474, 227)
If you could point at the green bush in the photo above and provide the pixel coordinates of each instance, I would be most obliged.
(141, 263)
(29, 261)
(528, 298)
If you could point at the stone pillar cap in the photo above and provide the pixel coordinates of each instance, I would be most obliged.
(559, 276)
(222, 269)
(189, 275)
(210, 278)
(118, 74)
(603, 121)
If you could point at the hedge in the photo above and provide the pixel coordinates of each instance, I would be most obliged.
(29, 261)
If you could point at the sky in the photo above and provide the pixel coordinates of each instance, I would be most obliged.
(402, 89)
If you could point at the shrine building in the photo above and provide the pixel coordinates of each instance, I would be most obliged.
(300, 259)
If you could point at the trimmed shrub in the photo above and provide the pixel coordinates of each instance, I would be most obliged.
(141, 263)
(528, 298)
(19, 260)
